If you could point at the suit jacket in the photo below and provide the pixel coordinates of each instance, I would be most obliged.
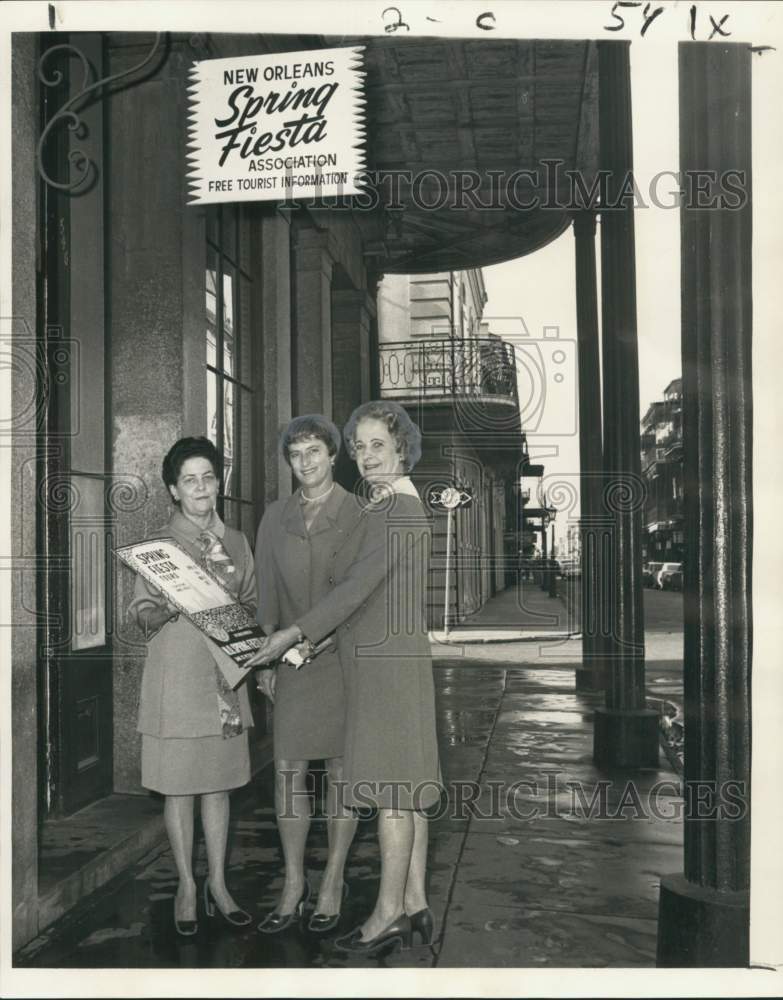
(377, 605)
(294, 571)
(178, 697)
(293, 566)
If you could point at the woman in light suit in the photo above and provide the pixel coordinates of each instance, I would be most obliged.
(296, 539)
(377, 606)
(194, 739)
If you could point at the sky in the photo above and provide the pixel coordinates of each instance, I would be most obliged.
(540, 288)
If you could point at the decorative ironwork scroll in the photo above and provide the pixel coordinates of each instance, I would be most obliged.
(79, 161)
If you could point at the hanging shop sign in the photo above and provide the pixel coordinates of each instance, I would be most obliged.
(276, 127)
(450, 497)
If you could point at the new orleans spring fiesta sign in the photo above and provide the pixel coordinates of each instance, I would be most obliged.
(276, 127)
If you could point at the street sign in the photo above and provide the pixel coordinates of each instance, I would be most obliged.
(450, 497)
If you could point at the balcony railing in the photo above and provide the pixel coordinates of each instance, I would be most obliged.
(436, 369)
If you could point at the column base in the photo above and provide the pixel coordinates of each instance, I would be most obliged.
(625, 739)
(590, 678)
(700, 927)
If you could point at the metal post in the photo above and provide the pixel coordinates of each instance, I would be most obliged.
(449, 529)
(704, 914)
(590, 675)
(626, 732)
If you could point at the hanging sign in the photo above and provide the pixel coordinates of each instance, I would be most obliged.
(450, 497)
(276, 127)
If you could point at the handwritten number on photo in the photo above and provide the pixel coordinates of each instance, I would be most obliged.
(395, 25)
(619, 17)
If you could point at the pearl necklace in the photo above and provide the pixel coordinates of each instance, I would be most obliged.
(321, 496)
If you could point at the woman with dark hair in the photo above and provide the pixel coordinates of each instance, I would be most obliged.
(295, 542)
(377, 606)
(194, 727)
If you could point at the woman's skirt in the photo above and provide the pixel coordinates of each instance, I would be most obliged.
(309, 712)
(194, 766)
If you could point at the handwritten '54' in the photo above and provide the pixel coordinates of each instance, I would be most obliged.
(649, 15)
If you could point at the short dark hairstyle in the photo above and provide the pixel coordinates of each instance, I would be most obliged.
(310, 425)
(181, 451)
(406, 434)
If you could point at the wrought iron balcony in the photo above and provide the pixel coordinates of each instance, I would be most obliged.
(477, 368)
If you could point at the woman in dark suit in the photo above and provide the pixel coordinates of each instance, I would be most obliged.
(377, 606)
(296, 539)
(194, 727)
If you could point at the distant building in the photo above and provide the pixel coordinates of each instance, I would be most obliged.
(458, 382)
(661, 446)
(411, 306)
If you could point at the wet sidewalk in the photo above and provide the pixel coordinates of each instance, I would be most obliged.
(538, 861)
(521, 612)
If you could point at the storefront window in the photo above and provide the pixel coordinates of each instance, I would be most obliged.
(229, 360)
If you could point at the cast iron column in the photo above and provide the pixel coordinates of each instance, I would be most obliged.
(626, 733)
(589, 676)
(703, 915)
(544, 557)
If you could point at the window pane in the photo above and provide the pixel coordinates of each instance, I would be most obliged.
(211, 288)
(243, 447)
(211, 347)
(244, 333)
(88, 555)
(228, 438)
(212, 408)
(229, 311)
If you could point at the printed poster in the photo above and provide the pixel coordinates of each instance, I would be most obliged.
(229, 626)
(276, 127)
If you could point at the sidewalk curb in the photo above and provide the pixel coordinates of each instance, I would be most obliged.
(441, 640)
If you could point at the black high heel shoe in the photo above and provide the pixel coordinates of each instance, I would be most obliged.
(274, 923)
(398, 932)
(320, 923)
(423, 924)
(185, 928)
(239, 918)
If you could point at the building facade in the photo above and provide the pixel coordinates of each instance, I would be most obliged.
(662, 471)
(458, 381)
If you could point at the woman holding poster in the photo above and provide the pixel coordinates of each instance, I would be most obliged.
(194, 727)
(296, 539)
(377, 606)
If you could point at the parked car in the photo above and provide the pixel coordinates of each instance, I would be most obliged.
(650, 573)
(570, 568)
(670, 576)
